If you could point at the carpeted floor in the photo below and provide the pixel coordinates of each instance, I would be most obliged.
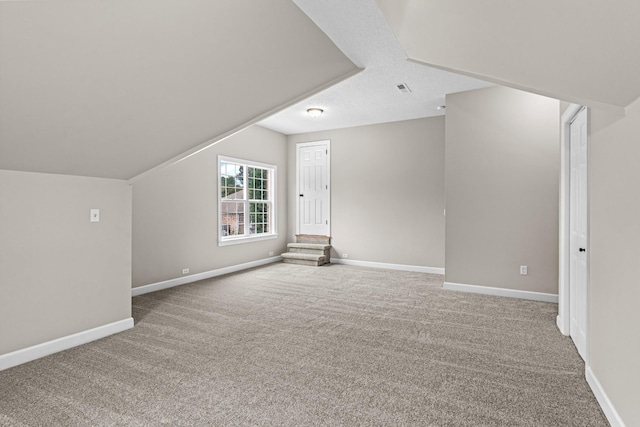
(288, 345)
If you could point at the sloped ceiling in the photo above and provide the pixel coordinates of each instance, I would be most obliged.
(574, 50)
(114, 88)
(360, 30)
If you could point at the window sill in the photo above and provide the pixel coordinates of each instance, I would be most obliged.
(238, 240)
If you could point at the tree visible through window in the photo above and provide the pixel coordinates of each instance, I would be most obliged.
(246, 199)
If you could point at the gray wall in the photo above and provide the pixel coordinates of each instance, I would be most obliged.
(387, 191)
(614, 292)
(502, 181)
(59, 273)
(175, 219)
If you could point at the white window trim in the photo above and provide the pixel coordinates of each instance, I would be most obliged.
(234, 240)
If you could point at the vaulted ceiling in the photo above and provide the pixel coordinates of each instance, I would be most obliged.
(575, 50)
(115, 88)
(360, 30)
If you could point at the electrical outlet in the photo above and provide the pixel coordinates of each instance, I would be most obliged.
(185, 271)
(345, 255)
(523, 270)
(271, 253)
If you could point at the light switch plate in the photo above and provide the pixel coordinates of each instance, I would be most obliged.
(95, 215)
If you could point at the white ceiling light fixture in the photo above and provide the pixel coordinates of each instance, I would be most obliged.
(315, 112)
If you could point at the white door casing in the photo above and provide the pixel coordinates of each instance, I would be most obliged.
(578, 231)
(313, 176)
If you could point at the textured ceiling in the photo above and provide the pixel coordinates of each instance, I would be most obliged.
(115, 88)
(574, 50)
(360, 30)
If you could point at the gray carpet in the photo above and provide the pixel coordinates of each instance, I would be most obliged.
(288, 345)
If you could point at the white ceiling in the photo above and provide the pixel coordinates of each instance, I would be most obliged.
(360, 30)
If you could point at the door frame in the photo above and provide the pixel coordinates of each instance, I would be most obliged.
(564, 317)
(300, 145)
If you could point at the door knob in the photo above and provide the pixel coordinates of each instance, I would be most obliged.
(582, 250)
(302, 195)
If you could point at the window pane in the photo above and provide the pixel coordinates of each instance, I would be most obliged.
(258, 184)
(231, 181)
(259, 221)
(232, 218)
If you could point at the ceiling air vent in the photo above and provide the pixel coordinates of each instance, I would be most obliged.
(403, 88)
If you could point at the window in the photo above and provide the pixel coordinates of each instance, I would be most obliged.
(246, 200)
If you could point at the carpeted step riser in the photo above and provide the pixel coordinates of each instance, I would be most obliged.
(320, 258)
(308, 246)
(302, 262)
(320, 240)
(326, 253)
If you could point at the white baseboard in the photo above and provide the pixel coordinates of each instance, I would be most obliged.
(145, 289)
(607, 407)
(28, 354)
(403, 267)
(560, 325)
(502, 292)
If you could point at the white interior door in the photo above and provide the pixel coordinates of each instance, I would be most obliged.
(313, 188)
(579, 228)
